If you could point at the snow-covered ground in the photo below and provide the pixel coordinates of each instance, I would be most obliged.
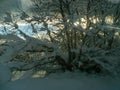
(59, 81)
(64, 83)
(25, 28)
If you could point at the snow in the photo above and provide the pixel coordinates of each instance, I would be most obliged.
(59, 81)
(5, 74)
(83, 83)
(25, 28)
(12, 48)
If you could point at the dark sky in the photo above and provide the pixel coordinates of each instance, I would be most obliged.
(9, 4)
(13, 5)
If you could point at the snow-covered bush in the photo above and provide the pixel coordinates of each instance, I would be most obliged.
(93, 48)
